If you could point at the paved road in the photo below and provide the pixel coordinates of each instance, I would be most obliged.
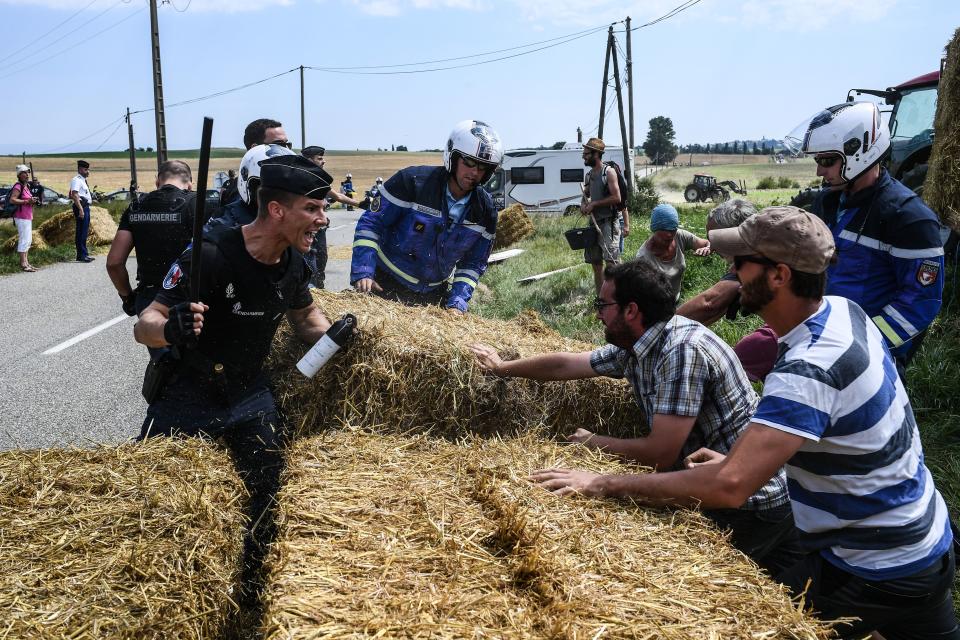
(71, 371)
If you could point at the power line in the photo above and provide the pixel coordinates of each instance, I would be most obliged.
(170, 2)
(75, 30)
(456, 66)
(48, 32)
(219, 93)
(474, 55)
(88, 136)
(74, 46)
(680, 8)
(112, 133)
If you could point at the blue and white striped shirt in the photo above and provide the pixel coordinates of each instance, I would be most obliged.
(860, 491)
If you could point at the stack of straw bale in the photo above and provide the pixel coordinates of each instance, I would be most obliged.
(413, 537)
(137, 541)
(942, 187)
(513, 225)
(37, 243)
(409, 369)
(61, 228)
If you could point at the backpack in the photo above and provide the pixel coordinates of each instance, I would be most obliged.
(621, 181)
(9, 208)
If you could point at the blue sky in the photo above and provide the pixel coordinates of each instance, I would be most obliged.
(722, 69)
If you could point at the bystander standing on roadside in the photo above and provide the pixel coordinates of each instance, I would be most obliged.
(81, 199)
(21, 196)
(601, 195)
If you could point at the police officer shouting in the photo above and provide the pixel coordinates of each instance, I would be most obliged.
(159, 226)
(251, 276)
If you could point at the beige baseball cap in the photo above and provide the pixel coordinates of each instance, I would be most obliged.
(596, 144)
(795, 237)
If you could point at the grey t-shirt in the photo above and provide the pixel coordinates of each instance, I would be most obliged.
(673, 269)
(596, 184)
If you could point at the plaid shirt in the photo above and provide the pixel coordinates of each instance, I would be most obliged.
(680, 368)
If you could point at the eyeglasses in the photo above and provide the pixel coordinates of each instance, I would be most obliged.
(739, 261)
(599, 304)
(471, 163)
(282, 143)
(826, 161)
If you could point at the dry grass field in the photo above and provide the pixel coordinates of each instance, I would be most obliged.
(110, 174)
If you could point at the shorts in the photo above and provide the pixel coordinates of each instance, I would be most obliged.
(608, 248)
(24, 234)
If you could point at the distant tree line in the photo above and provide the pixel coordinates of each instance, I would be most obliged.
(736, 147)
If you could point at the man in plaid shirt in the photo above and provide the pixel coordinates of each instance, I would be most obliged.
(690, 386)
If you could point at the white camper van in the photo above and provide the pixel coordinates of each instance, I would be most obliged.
(546, 180)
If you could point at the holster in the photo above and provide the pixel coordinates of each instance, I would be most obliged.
(155, 378)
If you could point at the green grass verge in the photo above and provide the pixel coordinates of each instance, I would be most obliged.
(10, 262)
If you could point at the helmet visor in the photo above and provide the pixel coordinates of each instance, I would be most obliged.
(796, 140)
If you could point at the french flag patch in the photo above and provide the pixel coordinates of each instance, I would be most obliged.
(172, 279)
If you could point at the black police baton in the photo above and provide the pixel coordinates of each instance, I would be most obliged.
(199, 219)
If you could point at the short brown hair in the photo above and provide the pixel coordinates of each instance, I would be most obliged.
(174, 169)
(266, 195)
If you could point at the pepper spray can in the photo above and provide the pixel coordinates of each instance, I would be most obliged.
(335, 337)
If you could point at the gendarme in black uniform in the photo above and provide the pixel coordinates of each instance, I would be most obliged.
(247, 301)
(161, 225)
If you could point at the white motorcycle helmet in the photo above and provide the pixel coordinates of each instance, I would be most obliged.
(249, 180)
(476, 140)
(853, 130)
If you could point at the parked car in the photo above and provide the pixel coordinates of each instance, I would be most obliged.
(213, 198)
(117, 196)
(52, 197)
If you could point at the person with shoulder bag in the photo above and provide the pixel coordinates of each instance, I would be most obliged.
(24, 200)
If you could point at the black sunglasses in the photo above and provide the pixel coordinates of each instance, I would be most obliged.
(739, 261)
(826, 161)
(283, 143)
(470, 163)
(599, 304)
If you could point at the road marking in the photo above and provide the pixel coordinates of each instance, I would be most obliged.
(339, 227)
(86, 334)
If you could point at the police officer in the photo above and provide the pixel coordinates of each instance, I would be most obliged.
(159, 226)
(251, 276)
(430, 224)
(889, 242)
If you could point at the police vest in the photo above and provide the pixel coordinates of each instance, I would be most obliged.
(162, 226)
(247, 301)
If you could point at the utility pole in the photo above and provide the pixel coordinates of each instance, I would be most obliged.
(623, 123)
(303, 118)
(579, 134)
(133, 155)
(606, 81)
(157, 86)
(630, 92)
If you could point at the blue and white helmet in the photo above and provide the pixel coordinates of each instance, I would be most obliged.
(250, 168)
(476, 140)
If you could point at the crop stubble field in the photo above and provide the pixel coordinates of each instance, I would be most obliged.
(110, 174)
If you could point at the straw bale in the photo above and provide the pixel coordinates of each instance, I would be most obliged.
(340, 252)
(36, 243)
(414, 537)
(513, 225)
(61, 228)
(137, 541)
(409, 369)
(942, 186)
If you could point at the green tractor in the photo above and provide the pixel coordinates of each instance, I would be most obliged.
(706, 187)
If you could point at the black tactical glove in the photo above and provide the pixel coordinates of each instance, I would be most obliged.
(179, 327)
(129, 304)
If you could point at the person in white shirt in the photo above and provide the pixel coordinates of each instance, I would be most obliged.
(80, 195)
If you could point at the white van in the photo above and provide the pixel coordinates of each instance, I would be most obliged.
(545, 180)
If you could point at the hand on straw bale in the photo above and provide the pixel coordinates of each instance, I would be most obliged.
(410, 368)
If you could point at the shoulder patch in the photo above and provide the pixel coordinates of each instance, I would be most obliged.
(927, 272)
(172, 279)
(375, 204)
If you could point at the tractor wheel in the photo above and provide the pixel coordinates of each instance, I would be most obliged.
(691, 193)
(719, 195)
(914, 178)
(804, 199)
